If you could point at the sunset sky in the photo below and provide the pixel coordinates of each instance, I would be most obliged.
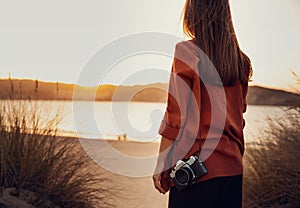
(52, 40)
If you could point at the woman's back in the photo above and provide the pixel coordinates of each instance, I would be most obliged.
(221, 109)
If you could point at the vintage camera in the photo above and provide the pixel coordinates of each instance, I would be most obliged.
(187, 173)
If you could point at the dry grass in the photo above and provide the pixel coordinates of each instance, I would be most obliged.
(45, 170)
(272, 166)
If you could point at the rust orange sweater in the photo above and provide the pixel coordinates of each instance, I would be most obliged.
(220, 128)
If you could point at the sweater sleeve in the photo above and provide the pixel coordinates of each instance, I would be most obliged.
(180, 85)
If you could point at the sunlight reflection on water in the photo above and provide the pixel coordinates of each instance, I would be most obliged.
(138, 120)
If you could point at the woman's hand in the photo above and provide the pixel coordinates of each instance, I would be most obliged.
(157, 183)
(160, 176)
(157, 178)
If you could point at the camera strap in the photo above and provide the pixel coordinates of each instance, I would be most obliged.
(200, 140)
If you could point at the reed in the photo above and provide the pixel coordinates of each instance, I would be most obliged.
(272, 166)
(42, 168)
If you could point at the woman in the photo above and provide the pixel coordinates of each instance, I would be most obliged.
(209, 25)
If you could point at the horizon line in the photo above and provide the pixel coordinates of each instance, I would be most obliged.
(291, 89)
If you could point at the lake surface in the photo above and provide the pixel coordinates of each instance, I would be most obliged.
(138, 120)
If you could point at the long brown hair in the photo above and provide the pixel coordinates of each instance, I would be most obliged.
(209, 24)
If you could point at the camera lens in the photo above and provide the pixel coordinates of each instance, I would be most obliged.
(182, 176)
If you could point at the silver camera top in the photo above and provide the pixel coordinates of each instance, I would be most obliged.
(192, 160)
(178, 165)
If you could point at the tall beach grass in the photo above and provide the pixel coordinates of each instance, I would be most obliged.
(272, 166)
(42, 168)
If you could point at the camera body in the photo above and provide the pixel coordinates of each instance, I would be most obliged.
(187, 173)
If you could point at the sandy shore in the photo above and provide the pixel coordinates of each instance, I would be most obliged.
(136, 192)
(129, 192)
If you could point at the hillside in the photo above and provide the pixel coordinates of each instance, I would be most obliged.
(265, 96)
(30, 89)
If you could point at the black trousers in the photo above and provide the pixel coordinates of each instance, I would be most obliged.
(214, 193)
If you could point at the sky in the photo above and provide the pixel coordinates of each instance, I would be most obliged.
(53, 40)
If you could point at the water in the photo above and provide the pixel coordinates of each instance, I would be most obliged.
(138, 120)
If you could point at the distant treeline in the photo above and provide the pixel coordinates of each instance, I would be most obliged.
(156, 92)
